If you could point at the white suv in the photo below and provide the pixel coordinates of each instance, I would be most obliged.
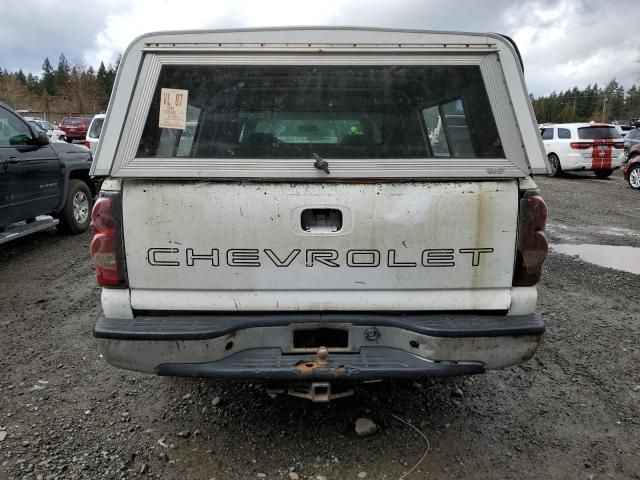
(583, 146)
(93, 133)
(54, 134)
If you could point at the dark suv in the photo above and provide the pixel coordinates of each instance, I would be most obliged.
(41, 184)
(630, 140)
(75, 128)
(632, 168)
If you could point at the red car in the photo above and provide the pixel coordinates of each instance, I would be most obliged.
(75, 128)
(632, 167)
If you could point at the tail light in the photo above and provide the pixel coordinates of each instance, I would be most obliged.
(532, 242)
(107, 249)
(581, 145)
(87, 144)
(588, 145)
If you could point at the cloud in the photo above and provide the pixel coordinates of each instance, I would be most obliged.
(563, 42)
(568, 43)
(32, 30)
(151, 15)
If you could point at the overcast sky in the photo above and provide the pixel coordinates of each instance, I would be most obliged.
(563, 42)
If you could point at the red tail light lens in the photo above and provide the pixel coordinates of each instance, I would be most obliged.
(581, 145)
(106, 246)
(532, 242)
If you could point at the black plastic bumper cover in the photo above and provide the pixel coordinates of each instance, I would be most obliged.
(203, 327)
(371, 363)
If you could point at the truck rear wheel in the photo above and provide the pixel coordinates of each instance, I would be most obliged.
(75, 216)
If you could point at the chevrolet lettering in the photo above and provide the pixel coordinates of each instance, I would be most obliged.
(253, 257)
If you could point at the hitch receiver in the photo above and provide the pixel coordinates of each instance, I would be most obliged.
(317, 392)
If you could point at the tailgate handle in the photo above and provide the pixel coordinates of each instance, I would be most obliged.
(321, 220)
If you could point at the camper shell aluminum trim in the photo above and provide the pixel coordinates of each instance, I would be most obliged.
(306, 45)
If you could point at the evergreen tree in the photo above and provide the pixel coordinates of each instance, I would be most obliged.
(614, 95)
(111, 76)
(22, 78)
(62, 72)
(575, 99)
(48, 78)
(101, 76)
(632, 103)
(566, 114)
(589, 103)
(101, 73)
(33, 82)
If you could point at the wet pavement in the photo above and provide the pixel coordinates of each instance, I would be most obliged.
(572, 412)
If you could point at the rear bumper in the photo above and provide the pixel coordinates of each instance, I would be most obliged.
(261, 347)
(76, 135)
(574, 161)
(370, 363)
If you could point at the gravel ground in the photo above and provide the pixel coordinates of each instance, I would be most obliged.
(570, 413)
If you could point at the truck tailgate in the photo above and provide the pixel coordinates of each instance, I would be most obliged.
(206, 245)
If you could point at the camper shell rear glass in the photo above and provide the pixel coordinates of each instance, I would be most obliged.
(335, 111)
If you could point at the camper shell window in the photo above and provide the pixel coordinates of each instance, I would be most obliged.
(273, 111)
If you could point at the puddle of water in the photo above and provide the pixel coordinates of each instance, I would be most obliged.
(626, 259)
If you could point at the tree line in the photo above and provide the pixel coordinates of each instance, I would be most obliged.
(68, 88)
(79, 88)
(606, 104)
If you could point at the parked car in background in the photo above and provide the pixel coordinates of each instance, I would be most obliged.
(54, 134)
(632, 168)
(631, 139)
(42, 184)
(75, 128)
(583, 146)
(93, 134)
(623, 129)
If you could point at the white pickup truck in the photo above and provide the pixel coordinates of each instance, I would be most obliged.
(315, 207)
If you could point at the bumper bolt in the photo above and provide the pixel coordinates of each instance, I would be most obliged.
(372, 334)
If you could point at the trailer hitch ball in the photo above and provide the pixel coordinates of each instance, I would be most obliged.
(321, 356)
